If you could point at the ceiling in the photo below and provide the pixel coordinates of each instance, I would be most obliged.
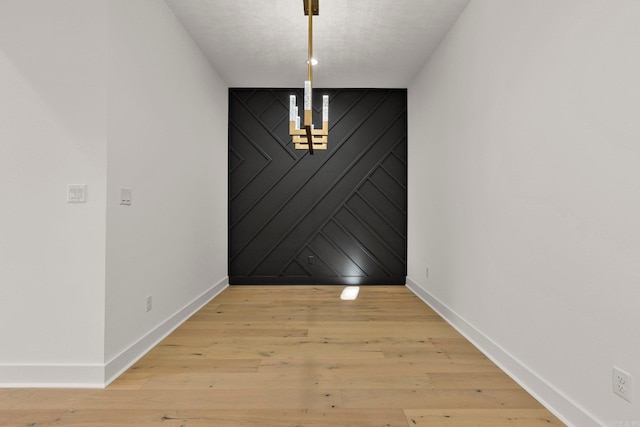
(358, 43)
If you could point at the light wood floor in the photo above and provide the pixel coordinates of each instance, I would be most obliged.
(298, 356)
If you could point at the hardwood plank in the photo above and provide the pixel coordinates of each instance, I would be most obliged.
(481, 418)
(266, 398)
(391, 366)
(278, 348)
(237, 418)
(237, 332)
(260, 314)
(311, 379)
(447, 398)
(331, 379)
(423, 330)
(472, 381)
(138, 375)
(157, 366)
(35, 418)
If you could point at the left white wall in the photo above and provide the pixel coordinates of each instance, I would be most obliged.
(107, 93)
(167, 132)
(52, 133)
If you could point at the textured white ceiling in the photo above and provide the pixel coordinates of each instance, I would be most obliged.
(358, 43)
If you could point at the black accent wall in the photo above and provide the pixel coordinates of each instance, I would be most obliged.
(335, 217)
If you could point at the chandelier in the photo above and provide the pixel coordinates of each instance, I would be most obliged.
(307, 137)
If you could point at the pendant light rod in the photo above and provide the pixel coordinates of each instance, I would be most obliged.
(309, 67)
(307, 124)
(304, 134)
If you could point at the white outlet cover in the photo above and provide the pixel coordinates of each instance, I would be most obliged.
(622, 383)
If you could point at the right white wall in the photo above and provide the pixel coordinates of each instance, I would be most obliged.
(524, 195)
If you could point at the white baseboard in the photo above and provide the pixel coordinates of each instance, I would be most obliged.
(43, 376)
(99, 376)
(561, 406)
(119, 364)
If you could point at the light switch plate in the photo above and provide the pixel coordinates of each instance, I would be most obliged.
(125, 196)
(76, 193)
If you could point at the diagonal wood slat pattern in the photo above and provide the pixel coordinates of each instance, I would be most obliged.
(337, 217)
(298, 356)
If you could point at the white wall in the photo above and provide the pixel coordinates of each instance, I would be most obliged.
(167, 133)
(109, 94)
(52, 133)
(524, 194)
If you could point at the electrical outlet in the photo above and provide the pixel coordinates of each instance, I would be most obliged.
(622, 383)
(149, 302)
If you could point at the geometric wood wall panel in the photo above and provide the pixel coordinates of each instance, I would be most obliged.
(336, 217)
